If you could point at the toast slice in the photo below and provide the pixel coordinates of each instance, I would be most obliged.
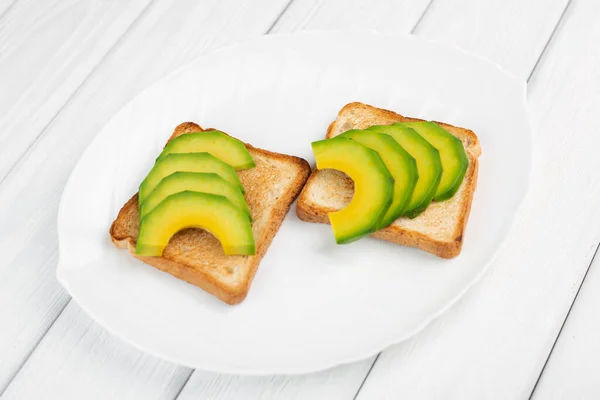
(438, 230)
(196, 256)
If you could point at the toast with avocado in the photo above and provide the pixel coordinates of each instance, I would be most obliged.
(246, 200)
(419, 196)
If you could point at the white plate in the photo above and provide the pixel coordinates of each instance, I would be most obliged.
(313, 304)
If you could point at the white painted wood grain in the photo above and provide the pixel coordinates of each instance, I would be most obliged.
(381, 15)
(511, 33)
(572, 370)
(5, 6)
(337, 383)
(167, 35)
(75, 352)
(494, 343)
(47, 49)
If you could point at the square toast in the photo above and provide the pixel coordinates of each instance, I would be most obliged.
(438, 230)
(195, 255)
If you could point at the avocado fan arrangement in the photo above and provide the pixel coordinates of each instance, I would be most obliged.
(397, 171)
(194, 184)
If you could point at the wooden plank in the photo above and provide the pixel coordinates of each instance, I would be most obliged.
(572, 370)
(47, 49)
(167, 35)
(69, 359)
(5, 6)
(511, 33)
(495, 342)
(392, 17)
(337, 383)
(574, 62)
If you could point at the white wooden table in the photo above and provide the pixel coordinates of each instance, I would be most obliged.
(529, 328)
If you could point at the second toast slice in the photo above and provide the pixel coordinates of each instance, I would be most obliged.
(438, 230)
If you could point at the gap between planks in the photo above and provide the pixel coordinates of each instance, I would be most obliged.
(6, 11)
(564, 323)
(556, 28)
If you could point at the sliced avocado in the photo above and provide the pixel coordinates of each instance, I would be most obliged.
(197, 182)
(429, 165)
(452, 152)
(188, 162)
(220, 145)
(188, 209)
(402, 167)
(373, 186)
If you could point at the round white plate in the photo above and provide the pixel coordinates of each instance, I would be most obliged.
(313, 304)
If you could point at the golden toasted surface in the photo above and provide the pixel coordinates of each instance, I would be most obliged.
(196, 256)
(438, 230)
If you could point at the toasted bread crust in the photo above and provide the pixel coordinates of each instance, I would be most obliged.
(183, 128)
(124, 229)
(360, 116)
(178, 270)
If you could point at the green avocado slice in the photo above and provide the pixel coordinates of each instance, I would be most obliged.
(197, 182)
(188, 209)
(373, 186)
(220, 145)
(452, 152)
(188, 162)
(402, 167)
(429, 165)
